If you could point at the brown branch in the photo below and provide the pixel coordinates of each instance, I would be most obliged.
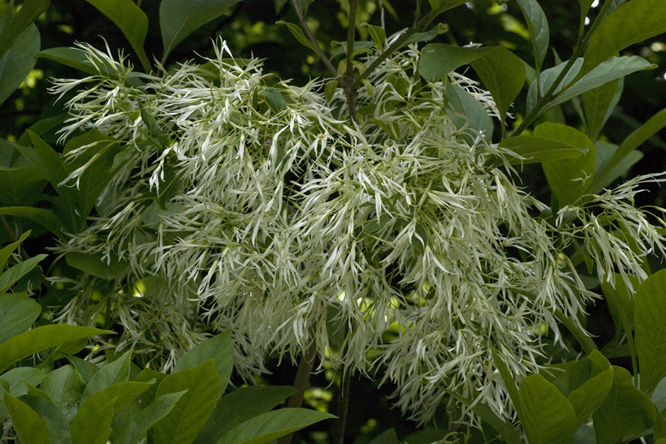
(313, 40)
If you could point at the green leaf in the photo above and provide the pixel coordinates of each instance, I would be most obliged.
(531, 149)
(43, 155)
(298, 33)
(16, 64)
(43, 217)
(650, 325)
(22, 186)
(568, 178)
(17, 312)
(7, 251)
(603, 179)
(85, 369)
(503, 74)
(131, 21)
(626, 411)
(538, 27)
(187, 418)
(27, 423)
(378, 35)
(16, 382)
(437, 59)
(149, 416)
(584, 8)
(92, 423)
(466, 111)
(599, 104)
(13, 274)
(445, 5)
(275, 100)
(12, 31)
(220, 349)
(504, 428)
(272, 425)
(64, 388)
(179, 19)
(75, 58)
(620, 302)
(590, 395)
(547, 416)
(632, 22)
(110, 374)
(241, 405)
(96, 266)
(509, 382)
(41, 338)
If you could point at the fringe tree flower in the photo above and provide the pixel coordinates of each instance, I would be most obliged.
(396, 243)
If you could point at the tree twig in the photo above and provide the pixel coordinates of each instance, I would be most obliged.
(338, 431)
(349, 80)
(313, 40)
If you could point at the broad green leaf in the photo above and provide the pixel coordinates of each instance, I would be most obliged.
(43, 217)
(27, 423)
(95, 266)
(584, 8)
(131, 21)
(22, 185)
(84, 368)
(547, 416)
(17, 311)
(509, 381)
(187, 418)
(437, 59)
(466, 111)
(568, 178)
(378, 35)
(75, 58)
(92, 423)
(220, 348)
(179, 19)
(7, 251)
(590, 395)
(620, 302)
(503, 74)
(626, 411)
(40, 338)
(149, 416)
(547, 79)
(445, 5)
(658, 396)
(110, 374)
(599, 104)
(30, 10)
(272, 425)
(241, 405)
(42, 154)
(504, 428)
(64, 388)
(16, 382)
(532, 149)
(604, 179)
(632, 22)
(298, 33)
(650, 325)
(13, 274)
(538, 27)
(18, 61)
(275, 100)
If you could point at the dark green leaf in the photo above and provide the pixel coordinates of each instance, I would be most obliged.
(43, 217)
(437, 59)
(387, 437)
(590, 395)
(110, 374)
(297, 32)
(29, 426)
(272, 425)
(187, 418)
(547, 416)
(220, 348)
(630, 23)
(584, 8)
(275, 100)
(531, 149)
(85, 369)
(149, 416)
(17, 312)
(445, 5)
(504, 428)
(466, 111)
(179, 19)
(599, 104)
(538, 27)
(378, 35)
(30, 10)
(41, 338)
(75, 58)
(7, 251)
(650, 324)
(13, 274)
(21, 186)
(95, 266)
(626, 411)
(42, 154)
(64, 388)
(568, 178)
(18, 61)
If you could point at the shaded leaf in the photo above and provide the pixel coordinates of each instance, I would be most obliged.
(74, 58)
(21, 186)
(27, 423)
(298, 33)
(18, 61)
(599, 104)
(110, 374)
(149, 416)
(12, 31)
(7, 250)
(465, 111)
(13, 274)
(531, 149)
(445, 5)
(590, 395)
(64, 388)
(220, 349)
(95, 266)
(43, 217)
(537, 24)
(504, 428)
(650, 325)
(275, 100)
(18, 312)
(437, 59)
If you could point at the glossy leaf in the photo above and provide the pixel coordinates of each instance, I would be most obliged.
(466, 111)
(568, 178)
(650, 325)
(131, 21)
(30, 427)
(626, 411)
(532, 149)
(18, 312)
(12, 31)
(437, 59)
(630, 23)
(503, 74)
(95, 266)
(18, 61)
(298, 33)
(538, 27)
(13, 274)
(269, 426)
(599, 104)
(220, 349)
(547, 416)
(187, 418)
(41, 338)
(179, 19)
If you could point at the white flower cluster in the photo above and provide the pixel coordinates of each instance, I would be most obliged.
(396, 244)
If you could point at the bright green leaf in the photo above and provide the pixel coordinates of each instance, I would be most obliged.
(18, 61)
(547, 416)
(272, 425)
(29, 426)
(220, 348)
(466, 111)
(40, 338)
(437, 59)
(178, 19)
(95, 266)
(378, 35)
(590, 395)
(531, 149)
(110, 374)
(187, 418)
(538, 27)
(17, 311)
(650, 324)
(568, 178)
(153, 413)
